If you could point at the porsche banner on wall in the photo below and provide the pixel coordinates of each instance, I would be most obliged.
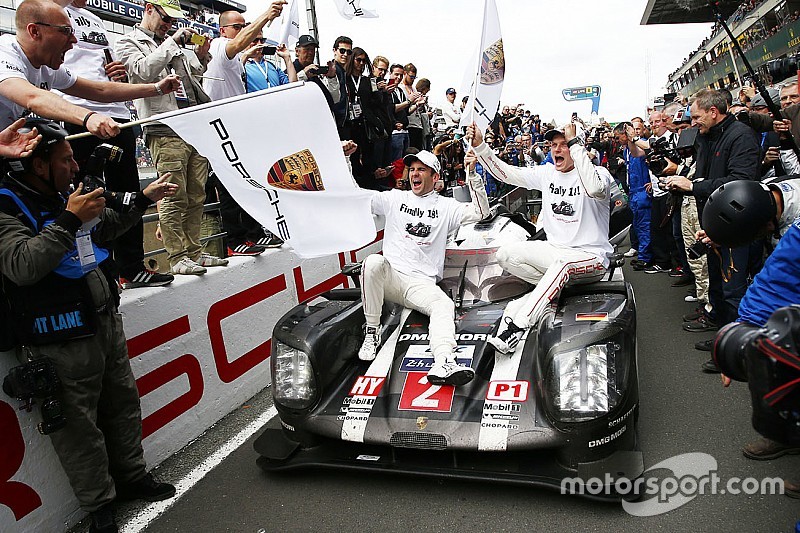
(279, 155)
(487, 87)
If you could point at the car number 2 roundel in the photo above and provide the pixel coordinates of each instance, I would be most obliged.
(419, 395)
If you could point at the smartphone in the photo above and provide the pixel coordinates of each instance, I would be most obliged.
(198, 39)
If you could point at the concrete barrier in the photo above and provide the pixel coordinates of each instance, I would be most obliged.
(199, 348)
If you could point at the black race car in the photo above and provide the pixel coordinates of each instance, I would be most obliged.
(563, 406)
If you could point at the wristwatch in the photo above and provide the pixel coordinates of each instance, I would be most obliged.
(572, 142)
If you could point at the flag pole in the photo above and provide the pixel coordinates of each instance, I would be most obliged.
(170, 114)
(474, 90)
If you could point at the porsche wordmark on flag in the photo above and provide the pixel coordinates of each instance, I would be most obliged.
(278, 153)
(298, 172)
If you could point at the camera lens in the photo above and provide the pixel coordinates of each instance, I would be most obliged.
(730, 349)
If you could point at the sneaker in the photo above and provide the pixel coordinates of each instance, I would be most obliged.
(372, 339)
(764, 449)
(506, 341)
(676, 272)
(247, 248)
(187, 266)
(704, 346)
(683, 281)
(710, 367)
(635, 262)
(641, 265)
(270, 241)
(208, 260)
(701, 324)
(691, 296)
(655, 269)
(103, 521)
(146, 278)
(450, 373)
(630, 253)
(147, 489)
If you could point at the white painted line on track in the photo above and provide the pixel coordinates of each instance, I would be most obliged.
(145, 517)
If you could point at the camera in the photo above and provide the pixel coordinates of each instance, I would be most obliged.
(780, 69)
(767, 358)
(697, 250)
(38, 379)
(92, 177)
(686, 142)
(269, 50)
(660, 155)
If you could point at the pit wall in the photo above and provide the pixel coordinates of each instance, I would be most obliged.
(199, 348)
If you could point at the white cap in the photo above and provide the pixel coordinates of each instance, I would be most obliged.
(426, 158)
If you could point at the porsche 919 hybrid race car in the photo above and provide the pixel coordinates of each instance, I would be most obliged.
(564, 405)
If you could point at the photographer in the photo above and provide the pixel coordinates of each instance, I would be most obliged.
(737, 349)
(53, 268)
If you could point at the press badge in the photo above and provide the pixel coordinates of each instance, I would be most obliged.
(355, 110)
(83, 243)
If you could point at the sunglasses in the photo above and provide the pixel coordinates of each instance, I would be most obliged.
(166, 19)
(237, 26)
(68, 31)
(345, 51)
(359, 59)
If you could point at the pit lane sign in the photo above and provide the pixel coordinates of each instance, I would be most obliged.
(587, 92)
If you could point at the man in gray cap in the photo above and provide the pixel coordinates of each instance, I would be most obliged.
(307, 70)
(414, 242)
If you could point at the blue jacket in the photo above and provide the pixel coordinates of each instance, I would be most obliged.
(778, 283)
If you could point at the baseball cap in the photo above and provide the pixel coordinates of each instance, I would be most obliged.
(307, 40)
(450, 91)
(580, 133)
(774, 95)
(171, 7)
(426, 158)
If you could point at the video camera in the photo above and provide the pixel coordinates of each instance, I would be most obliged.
(37, 379)
(92, 177)
(767, 358)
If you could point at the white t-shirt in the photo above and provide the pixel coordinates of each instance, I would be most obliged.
(14, 64)
(415, 235)
(790, 190)
(230, 70)
(87, 59)
(570, 215)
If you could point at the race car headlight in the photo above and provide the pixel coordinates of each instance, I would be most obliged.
(293, 377)
(582, 383)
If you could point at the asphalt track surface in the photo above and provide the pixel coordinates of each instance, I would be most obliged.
(682, 411)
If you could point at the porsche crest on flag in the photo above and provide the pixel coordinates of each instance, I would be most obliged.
(489, 70)
(298, 172)
(279, 155)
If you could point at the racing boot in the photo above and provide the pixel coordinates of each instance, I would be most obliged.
(506, 339)
(372, 339)
(449, 372)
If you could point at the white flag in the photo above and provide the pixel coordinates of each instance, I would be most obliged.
(350, 9)
(279, 155)
(288, 31)
(484, 96)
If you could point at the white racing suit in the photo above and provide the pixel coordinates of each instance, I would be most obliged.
(575, 215)
(414, 244)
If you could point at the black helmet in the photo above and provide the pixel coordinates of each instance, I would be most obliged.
(51, 132)
(737, 212)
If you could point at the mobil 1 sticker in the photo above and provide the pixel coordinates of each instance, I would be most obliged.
(419, 358)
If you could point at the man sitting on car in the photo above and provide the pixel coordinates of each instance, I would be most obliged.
(575, 216)
(415, 238)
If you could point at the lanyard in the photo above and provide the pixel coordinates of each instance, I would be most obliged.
(356, 84)
(264, 72)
